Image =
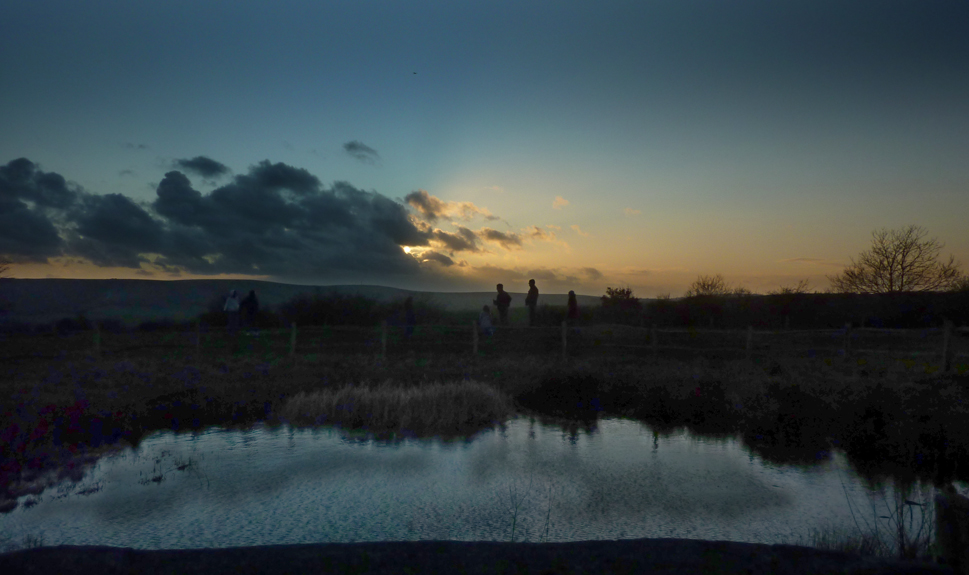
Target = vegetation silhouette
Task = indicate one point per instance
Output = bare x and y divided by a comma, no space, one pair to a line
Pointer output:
901,260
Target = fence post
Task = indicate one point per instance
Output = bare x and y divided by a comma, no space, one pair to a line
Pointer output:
654,340
565,331
292,340
846,346
383,339
947,347
97,339
750,341
198,338
474,337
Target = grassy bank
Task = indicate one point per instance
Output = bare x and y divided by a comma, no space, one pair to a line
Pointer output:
440,408
891,417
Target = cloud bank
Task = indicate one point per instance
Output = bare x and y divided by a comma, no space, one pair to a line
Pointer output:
274,220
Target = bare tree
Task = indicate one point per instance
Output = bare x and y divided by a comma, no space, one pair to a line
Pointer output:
4,265
713,285
799,288
962,284
899,261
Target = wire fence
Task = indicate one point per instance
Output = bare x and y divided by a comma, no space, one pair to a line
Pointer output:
944,346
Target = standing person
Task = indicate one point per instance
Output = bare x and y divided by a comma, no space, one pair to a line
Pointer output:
484,322
249,308
572,316
531,300
231,310
502,302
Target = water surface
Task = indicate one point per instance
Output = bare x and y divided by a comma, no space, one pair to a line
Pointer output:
219,488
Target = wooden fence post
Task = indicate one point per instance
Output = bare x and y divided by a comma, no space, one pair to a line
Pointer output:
97,339
846,345
292,340
654,340
565,331
947,347
474,337
750,341
383,339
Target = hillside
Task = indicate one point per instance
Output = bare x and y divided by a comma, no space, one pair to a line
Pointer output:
134,301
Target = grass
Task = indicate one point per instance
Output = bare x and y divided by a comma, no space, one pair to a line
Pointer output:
887,414
448,408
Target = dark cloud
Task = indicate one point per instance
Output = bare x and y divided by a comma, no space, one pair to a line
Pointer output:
592,273
428,206
29,198
280,220
543,275
432,208
126,173
274,220
115,220
440,258
205,167
464,240
361,151
26,233
280,176
507,240
22,179
132,146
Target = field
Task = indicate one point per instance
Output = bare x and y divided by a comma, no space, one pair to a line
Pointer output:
67,397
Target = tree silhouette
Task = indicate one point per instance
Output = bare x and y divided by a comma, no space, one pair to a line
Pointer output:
902,260
620,297
4,265
709,285
799,288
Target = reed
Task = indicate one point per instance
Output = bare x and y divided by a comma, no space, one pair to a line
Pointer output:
432,409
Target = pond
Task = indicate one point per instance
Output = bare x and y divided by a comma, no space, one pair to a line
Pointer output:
280,485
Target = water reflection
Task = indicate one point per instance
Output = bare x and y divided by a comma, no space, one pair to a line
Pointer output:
605,479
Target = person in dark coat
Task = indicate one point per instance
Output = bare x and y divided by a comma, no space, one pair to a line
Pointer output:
502,302
531,300
249,308
572,315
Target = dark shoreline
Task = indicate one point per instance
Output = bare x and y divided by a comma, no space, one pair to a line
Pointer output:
642,556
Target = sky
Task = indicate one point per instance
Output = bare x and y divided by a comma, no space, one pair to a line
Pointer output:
449,146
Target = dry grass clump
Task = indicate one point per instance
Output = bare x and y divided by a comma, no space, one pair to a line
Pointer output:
866,544
433,409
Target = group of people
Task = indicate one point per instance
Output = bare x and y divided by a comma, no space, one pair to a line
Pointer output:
503,302
244,310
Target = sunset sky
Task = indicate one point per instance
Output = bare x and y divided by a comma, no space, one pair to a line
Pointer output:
448,146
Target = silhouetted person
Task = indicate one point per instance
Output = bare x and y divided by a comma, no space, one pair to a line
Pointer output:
249,308
231,309
531,300
485,327
410,320
502,302
572,315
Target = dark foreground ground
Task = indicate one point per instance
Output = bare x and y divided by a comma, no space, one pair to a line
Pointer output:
640,556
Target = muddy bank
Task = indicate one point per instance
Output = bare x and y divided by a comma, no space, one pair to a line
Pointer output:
641,556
